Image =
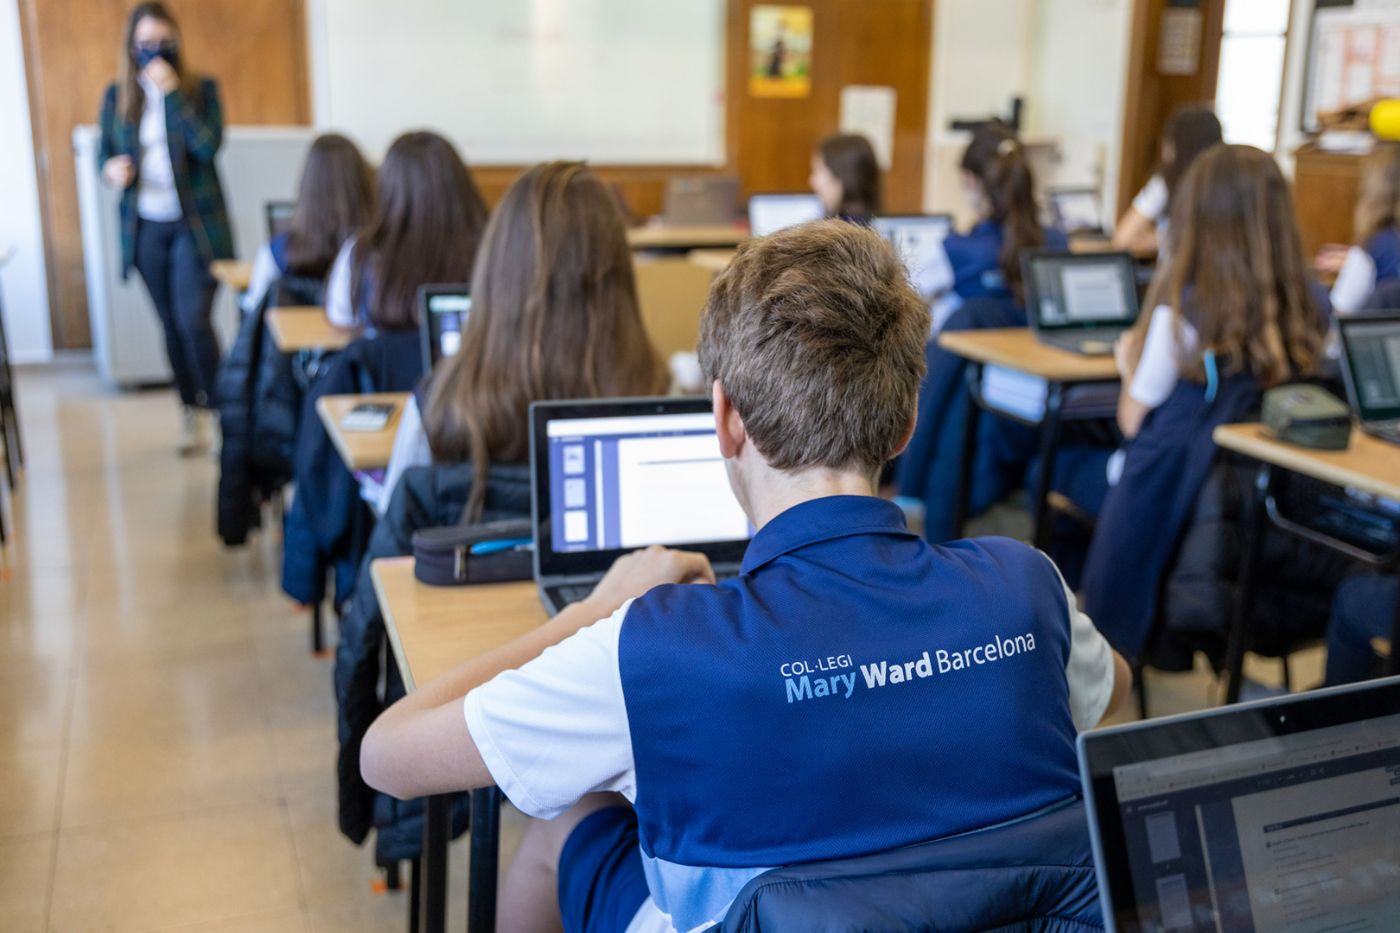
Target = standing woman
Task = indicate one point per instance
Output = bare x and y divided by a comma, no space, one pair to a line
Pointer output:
161,128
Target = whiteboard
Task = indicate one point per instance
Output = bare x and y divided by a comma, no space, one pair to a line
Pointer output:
523,81
1355,56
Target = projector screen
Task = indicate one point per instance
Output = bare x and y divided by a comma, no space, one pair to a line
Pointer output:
522,81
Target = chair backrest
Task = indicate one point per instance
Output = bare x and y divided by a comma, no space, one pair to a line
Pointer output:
1035,874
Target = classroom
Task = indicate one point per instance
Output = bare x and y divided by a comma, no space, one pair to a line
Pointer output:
616,466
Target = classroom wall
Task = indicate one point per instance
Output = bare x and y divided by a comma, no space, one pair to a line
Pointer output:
26,293
1067,58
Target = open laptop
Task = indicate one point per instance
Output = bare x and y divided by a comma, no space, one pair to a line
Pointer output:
918,238
1076,211
1080,302
279,217
769,213
442,316
1278,815
701,200
610,476
1371,364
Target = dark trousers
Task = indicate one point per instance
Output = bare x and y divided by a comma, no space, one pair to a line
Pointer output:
1364,609
182,290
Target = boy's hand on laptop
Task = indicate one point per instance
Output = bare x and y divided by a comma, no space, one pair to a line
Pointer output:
634,574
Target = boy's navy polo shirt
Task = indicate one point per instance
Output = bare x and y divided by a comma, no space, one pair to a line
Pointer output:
853,690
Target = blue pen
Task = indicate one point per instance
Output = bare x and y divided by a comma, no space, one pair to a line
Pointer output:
482,548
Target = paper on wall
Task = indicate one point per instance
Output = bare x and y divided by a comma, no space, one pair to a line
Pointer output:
869,111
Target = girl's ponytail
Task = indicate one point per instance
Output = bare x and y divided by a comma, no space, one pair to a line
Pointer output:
998,160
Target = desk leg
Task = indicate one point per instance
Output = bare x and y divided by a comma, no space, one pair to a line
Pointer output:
437,827
1049,445
485,855
968,454
1247,584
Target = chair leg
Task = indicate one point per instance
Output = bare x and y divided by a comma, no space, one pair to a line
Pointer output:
317,640
1140,689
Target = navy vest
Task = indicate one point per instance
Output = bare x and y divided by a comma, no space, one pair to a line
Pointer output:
976,259
854,690
277,246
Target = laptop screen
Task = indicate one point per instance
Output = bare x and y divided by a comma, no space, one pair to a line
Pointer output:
1076,209
1373,367
1282,817
443,313
279,217
1081,290
918,238
769,213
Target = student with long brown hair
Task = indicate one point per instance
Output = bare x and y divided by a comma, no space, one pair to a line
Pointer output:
1232,287
425,231
1234,313
554,315
846,176
162,126
335,198
1190,131
1374,259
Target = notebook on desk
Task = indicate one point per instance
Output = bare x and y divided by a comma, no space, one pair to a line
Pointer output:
611,476
1280,815
1081,302
1371,364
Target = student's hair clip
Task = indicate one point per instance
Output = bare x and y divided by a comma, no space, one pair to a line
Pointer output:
1007,146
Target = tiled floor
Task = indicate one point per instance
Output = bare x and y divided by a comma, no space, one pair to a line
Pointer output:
166,740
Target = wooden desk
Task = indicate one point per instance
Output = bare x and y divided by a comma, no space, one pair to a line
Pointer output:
361,450
306,328
1016,348
685,238
431,629
1089,245
235,273
1368,465
715,260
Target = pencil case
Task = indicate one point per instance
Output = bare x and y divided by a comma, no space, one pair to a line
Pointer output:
494,552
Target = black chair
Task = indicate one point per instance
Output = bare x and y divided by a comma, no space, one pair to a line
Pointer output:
1031,875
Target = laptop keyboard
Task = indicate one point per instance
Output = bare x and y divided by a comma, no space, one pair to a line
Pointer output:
572,593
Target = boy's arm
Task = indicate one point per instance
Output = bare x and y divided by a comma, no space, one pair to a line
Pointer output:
421,744
1099,678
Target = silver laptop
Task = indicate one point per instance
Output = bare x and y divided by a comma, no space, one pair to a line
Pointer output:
1080,302
442,316
769,213
611,476
1076,211
918,238
1371,364
701,200
1281,815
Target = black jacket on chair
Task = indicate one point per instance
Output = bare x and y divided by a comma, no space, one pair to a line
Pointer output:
327,511
425,497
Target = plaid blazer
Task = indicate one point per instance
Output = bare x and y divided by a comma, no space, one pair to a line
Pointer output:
194,130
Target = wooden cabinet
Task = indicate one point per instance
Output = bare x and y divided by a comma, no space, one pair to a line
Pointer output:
1325,188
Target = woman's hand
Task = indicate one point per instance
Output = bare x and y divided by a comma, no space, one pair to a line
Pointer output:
119,171
159,73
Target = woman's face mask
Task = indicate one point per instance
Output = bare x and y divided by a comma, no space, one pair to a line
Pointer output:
147,52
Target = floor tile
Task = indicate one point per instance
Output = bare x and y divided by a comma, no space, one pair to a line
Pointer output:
26,866
141,874
30,779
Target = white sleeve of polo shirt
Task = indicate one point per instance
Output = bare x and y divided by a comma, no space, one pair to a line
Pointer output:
264,275
1356,280
339,309
410,449
1090,666
556,728
1151,201
1159,367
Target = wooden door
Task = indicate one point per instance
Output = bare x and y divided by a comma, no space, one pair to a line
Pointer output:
874,42
255,48
1152,97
